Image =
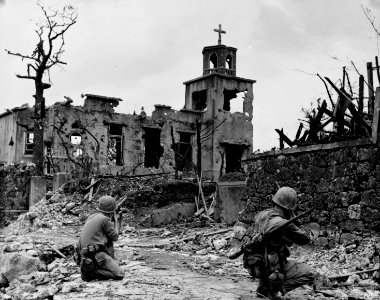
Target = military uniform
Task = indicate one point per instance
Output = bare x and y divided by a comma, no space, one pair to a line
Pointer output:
96,250
295,274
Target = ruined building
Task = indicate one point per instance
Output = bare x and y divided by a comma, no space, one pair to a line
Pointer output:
94,135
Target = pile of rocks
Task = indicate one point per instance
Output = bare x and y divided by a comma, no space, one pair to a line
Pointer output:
51,213
30,270
352,268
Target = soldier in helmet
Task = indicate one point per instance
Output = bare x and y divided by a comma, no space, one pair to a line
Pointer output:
268,260
95,246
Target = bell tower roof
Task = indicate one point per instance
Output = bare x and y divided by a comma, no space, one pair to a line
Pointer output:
219,58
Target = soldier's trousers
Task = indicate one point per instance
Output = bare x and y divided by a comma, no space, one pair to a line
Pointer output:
297,274
105,268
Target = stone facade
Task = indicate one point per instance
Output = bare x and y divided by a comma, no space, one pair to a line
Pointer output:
14,189
341,181
108,142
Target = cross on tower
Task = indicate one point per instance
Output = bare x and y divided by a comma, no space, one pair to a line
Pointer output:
219,31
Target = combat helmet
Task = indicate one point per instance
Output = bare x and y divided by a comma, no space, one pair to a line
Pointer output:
286,197
107,204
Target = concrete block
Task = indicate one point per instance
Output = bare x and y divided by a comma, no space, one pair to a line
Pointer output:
168,215
37,189
59,179
228,203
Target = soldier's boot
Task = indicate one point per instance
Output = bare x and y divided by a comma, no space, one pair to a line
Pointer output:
275,296
262,289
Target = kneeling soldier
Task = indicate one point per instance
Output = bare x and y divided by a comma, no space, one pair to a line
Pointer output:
95,246
267,259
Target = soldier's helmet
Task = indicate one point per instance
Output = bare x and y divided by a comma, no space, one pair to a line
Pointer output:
286,197
107,204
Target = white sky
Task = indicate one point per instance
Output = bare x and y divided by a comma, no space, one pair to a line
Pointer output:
143,50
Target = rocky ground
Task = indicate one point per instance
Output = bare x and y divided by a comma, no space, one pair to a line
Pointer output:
187,260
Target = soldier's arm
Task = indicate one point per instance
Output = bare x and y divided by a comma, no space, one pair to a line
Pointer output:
296,235
110,231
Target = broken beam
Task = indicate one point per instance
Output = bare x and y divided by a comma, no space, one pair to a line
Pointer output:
92,184
284,137
351,108
353,273
371,94
56,250
300,127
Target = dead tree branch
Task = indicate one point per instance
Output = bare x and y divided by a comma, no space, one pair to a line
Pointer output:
371,19
46,54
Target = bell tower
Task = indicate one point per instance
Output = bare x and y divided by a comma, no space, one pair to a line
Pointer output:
220,58
222,102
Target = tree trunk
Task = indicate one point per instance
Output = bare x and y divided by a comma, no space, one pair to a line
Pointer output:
38,151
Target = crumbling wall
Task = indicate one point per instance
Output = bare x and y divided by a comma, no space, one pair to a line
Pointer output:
341,181
14,188
13,125
236,129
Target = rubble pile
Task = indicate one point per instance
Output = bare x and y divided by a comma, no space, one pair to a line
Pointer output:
36,263
34,269
70,206
352,270
51,213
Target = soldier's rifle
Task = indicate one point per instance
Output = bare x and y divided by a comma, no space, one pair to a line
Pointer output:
248,245
119,210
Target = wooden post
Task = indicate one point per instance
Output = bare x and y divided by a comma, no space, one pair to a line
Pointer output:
284,138
339,116
199,149
361,94
299,131
199,178
344,77
371,94
91,189
376,117
377,69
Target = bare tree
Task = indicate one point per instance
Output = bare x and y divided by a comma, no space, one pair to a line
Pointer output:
46,55
367,12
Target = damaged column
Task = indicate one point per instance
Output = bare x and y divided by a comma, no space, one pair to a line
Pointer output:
59,179
37,189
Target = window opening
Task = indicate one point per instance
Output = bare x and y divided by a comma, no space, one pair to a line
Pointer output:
29,143
214,61
229,61
234,154
116,129
75,138
77,152
233,100
153,148
199,100
185,152
115,145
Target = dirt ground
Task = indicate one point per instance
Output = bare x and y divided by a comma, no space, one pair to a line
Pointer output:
152,273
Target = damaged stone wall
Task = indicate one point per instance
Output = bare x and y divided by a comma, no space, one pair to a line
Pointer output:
14,188
341,181
145,143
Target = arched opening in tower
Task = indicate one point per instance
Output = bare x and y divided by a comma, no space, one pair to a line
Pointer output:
229,61
214,61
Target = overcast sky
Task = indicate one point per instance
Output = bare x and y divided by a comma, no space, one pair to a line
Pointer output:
143,50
